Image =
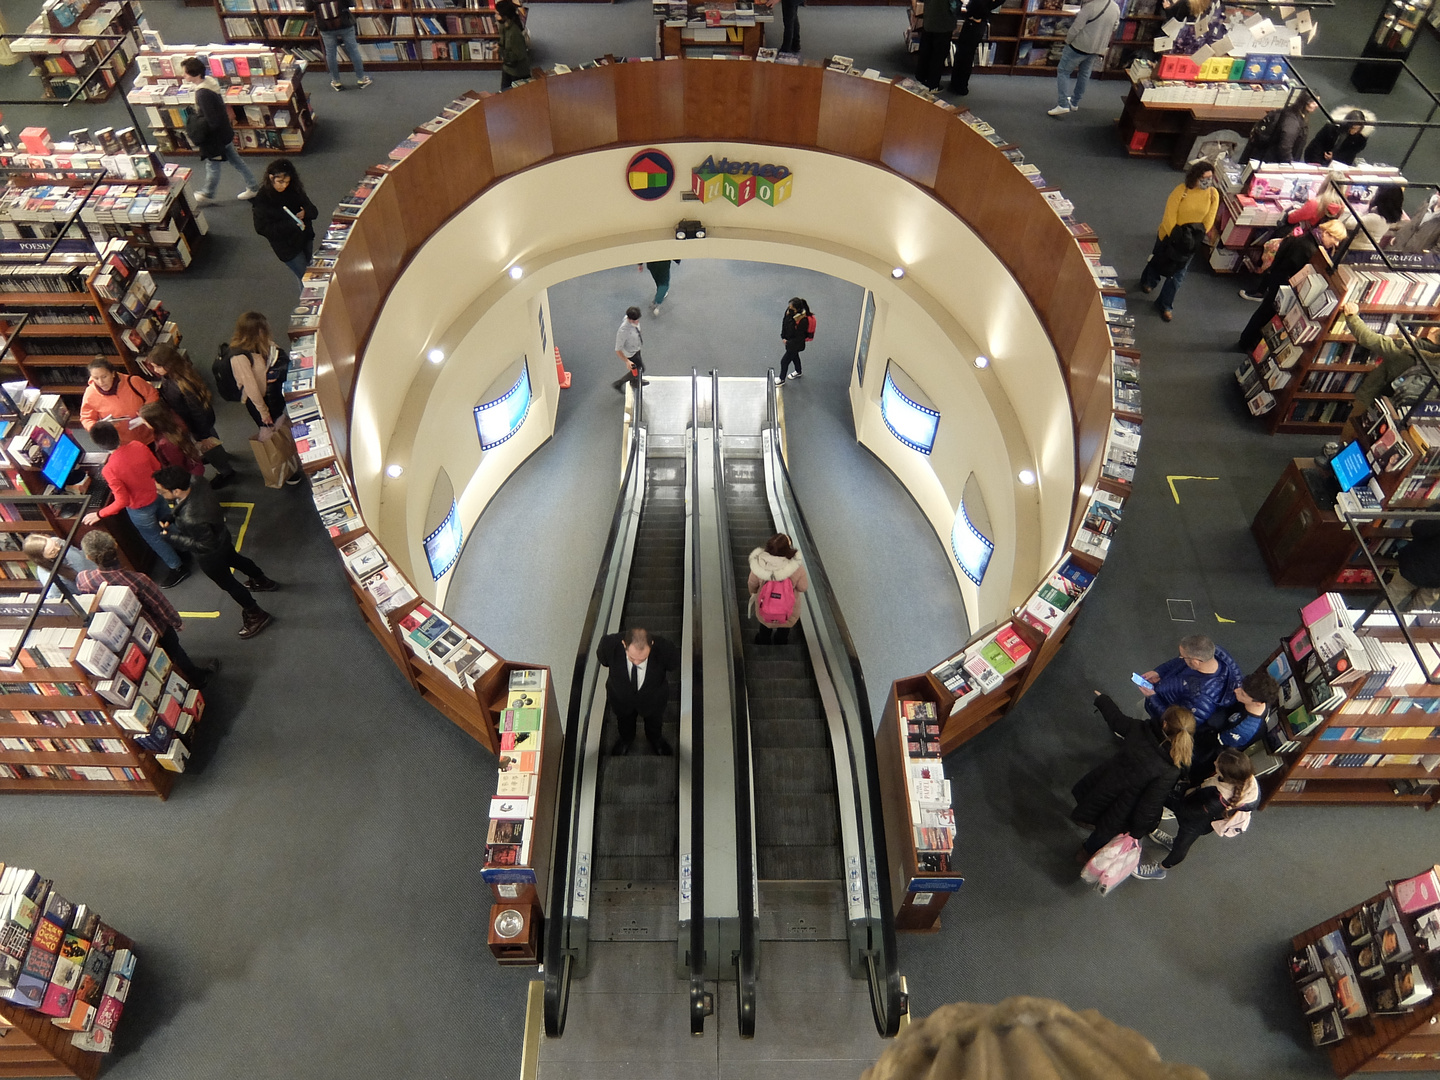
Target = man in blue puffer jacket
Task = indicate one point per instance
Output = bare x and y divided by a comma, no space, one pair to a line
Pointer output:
1202,678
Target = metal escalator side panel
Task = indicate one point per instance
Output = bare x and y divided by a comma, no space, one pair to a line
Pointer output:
694,821
566,942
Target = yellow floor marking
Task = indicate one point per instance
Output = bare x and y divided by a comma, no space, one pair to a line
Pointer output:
199,614
1221,618
249,509
1171,481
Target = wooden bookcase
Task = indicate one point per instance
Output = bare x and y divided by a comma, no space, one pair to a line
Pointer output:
63,59
262,87
33,1046
1297,783
729,40
94,331
1302,540
1393,1043
470,37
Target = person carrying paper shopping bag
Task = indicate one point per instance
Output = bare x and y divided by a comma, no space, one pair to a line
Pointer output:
285,216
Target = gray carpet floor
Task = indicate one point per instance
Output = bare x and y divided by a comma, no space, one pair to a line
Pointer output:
308,901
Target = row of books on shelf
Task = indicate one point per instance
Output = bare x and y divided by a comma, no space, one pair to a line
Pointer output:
1365,761
62,960
1387,288
982,666
1222,93
932,819
444,645
512,809
254,69
410,26
402,50
1122,451
136,204
1371,965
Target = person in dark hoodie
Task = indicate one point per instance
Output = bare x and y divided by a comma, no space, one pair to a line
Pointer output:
208,127
1343,141
514,49
285,216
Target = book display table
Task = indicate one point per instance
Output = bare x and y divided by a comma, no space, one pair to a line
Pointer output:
1168,130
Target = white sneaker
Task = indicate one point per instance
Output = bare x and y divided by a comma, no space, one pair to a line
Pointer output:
1167,814
248,193
778,380
655,310
205,200
793,375
1061,110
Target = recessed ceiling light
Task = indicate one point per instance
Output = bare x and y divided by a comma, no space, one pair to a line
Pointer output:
516,272
1027,477
898,273
982,361
393,471
435,355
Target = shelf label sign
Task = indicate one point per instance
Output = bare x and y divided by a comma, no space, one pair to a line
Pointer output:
650,175
740,181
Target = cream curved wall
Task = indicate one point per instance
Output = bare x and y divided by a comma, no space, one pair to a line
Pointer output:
845,218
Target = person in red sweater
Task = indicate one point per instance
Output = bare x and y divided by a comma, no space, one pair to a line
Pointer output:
112,396
128,471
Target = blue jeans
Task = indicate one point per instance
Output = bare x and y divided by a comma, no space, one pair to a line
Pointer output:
145,520
212,172
1077,63
1149,279
333,40
299,261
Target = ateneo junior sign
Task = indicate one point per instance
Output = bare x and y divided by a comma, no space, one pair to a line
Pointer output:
741,181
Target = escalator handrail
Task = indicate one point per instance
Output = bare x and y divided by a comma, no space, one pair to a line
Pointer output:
886,999
557,956
745,959
697,736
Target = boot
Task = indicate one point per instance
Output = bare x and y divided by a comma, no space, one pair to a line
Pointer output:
261,584
763,635
255,621
782,636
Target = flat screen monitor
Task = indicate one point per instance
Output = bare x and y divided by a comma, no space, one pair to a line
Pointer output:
497,420
62,460
909,421
442,547
1351,466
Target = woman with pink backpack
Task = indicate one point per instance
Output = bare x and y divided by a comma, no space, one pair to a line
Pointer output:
776,576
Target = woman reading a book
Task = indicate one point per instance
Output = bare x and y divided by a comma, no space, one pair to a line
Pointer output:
1195,202
285,216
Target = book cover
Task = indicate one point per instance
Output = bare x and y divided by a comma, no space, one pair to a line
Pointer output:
1419,892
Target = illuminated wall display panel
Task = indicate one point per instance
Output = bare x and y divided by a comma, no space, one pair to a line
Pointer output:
909,421
497,420
972,548
442,547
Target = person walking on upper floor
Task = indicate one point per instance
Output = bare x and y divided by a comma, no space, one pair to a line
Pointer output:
974,25
1202,678
627,347
1288,131
937,27
637,684
209,129
1293,254
182,388
117,397
99,548
1221,804
777,578
195,522
128,471
1085,46
1189,214
1127,793
796,327
660,274
285,216
336,24
514,49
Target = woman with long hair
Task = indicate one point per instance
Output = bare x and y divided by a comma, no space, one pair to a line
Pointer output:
182,388
285,216
777,577
1189,214
1214,806
253,356
173,443
794,330
1127,793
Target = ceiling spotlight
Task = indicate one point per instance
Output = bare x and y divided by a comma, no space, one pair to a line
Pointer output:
435,355
982,361
394,471
898,273
1027,477
515,273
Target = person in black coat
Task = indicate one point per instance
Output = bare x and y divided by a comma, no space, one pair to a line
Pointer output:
189,398
794,327
1292,256
209,129
973,26
285,216
1127,793
1292,129
637,684
937,27
1342,142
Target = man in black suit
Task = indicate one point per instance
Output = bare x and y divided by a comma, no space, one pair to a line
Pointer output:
637,683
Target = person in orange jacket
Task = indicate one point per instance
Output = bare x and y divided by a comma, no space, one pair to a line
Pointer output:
109,395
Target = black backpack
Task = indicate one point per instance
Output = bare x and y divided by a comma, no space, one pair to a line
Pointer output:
225,384
1262,135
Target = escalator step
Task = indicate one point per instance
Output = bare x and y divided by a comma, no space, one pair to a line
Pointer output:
636,831
635,867
804,819
638,778
788,734
794,769
767,669
819,862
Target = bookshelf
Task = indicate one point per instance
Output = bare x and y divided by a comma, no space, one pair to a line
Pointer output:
1153,126
394,35
1351,974
728,28
1356,723
63,59
262,88
64,979
80,304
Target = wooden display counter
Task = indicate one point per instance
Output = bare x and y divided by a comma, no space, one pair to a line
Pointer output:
1303,542
1168,130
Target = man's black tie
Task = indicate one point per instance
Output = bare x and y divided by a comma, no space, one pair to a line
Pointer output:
635,678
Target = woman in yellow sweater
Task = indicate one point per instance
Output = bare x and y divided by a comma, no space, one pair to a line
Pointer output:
1195,202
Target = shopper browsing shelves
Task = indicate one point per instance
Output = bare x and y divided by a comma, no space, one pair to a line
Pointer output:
128,470
99,547
260,367
173,444
514,49
1189,214
637,684
1202,678
1416,581
937,27
1222,804
777,577
1235,726
627,347
109,395
974,25
1280,135
1402,375
285,216
1294,253
1127,793
182,388
1382,220
1085,46
43,551
336,25
797,326
209,129
1342,142
195,522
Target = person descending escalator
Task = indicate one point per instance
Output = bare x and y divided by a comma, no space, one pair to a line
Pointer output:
777,577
